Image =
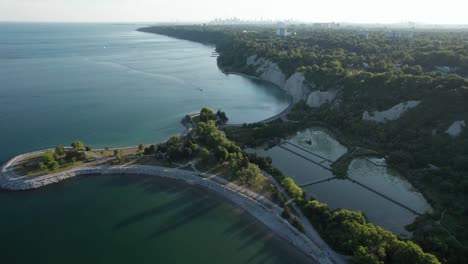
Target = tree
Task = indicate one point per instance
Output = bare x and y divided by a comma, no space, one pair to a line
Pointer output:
77,145
221,154
204,154
410,253
362,256
42,166
141,148
88,148
207,114
59,150
250,174
48,157
292,188
222,116
53,166
150,150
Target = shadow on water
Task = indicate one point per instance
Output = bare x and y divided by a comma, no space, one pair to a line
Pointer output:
194,202
186,215
151,184
252,232
172,205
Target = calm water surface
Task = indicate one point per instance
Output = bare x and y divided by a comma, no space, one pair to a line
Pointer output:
109,85
344,193
132,219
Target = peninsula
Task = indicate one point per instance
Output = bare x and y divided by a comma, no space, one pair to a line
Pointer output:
224,170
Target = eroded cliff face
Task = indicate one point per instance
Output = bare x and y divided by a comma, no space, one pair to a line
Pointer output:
267,70
318,98
456,128
391,114
295,86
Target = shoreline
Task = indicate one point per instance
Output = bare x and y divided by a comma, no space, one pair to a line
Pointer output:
259,207
251,77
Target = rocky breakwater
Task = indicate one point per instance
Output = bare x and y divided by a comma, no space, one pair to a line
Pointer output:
258,206
294,85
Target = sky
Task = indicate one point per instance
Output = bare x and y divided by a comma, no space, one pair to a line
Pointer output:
356,11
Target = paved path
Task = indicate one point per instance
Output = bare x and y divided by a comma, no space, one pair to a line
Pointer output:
257,205
309,229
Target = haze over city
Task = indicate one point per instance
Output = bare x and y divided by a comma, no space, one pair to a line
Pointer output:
359,11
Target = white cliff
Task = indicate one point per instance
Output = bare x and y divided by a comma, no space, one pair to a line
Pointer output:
318,98
391,114
268,70
295,86
456,128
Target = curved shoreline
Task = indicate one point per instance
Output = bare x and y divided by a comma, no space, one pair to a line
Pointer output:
251,77
256,205
261,208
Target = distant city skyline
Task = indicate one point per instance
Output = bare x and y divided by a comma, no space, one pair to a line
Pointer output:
358,11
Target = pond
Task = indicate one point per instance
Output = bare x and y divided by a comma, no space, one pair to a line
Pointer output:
306,158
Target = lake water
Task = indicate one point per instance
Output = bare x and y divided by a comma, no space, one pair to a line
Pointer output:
337,193
132,219
109,85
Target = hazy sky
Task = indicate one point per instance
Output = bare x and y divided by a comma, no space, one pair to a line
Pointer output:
384,11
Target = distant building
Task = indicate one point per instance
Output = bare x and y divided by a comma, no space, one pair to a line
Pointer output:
282,30
407,34
331,25
399,34
393,34
362,33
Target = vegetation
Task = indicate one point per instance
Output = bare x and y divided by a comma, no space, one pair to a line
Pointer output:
51,161
77,145
349,232
373,74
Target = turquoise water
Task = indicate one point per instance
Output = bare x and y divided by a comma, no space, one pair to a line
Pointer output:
109,85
